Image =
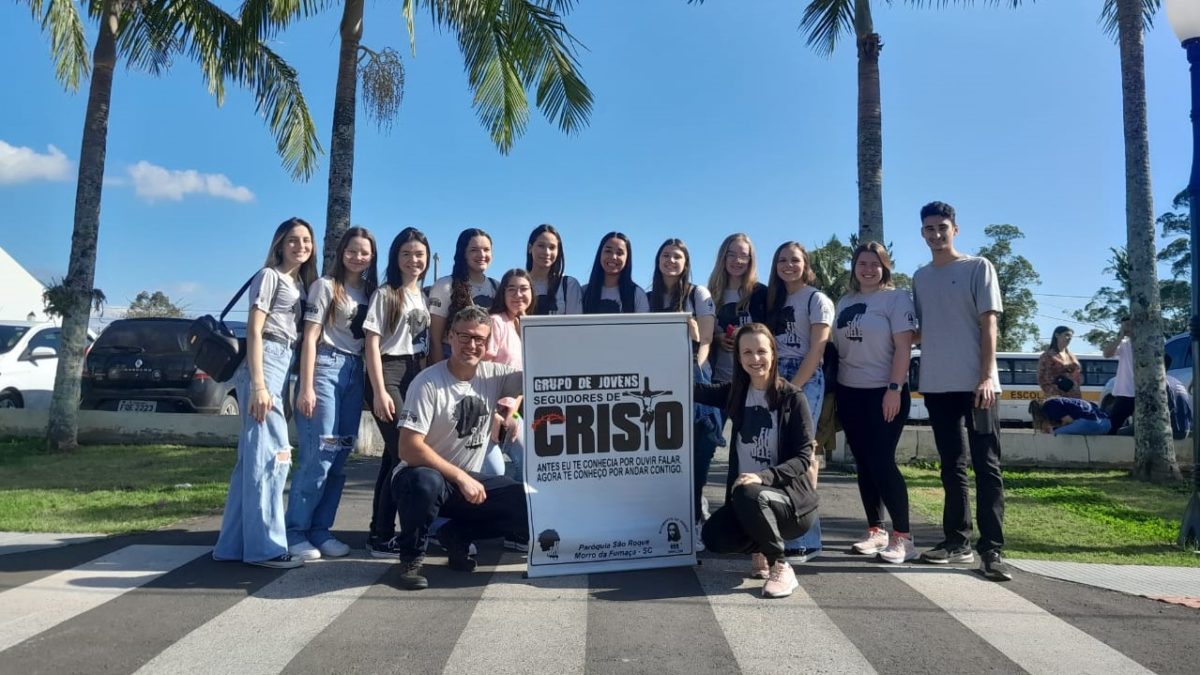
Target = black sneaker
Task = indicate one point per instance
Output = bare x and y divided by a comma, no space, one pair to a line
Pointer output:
410,575
457,549
993,567
383,548
941,555
286,561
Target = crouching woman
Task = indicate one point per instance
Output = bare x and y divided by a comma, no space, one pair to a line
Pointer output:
769,497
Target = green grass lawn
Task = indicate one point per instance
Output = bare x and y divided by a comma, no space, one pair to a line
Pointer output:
1081,516
109,488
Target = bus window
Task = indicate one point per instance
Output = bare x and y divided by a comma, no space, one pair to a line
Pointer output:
1097,373
1024,371
1004,370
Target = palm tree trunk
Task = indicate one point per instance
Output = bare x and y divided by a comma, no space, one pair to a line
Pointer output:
870,139
62,431
341,145
1154,453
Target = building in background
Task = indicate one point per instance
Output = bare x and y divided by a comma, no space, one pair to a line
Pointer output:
20,292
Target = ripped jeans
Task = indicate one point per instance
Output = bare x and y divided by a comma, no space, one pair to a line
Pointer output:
252,527
326,440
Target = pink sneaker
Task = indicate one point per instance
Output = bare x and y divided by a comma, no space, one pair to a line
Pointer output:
876,541
759,569
900,549
781,582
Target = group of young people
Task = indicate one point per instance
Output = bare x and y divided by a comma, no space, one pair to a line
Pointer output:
442,376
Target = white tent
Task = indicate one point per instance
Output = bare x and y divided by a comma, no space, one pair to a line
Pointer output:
20,292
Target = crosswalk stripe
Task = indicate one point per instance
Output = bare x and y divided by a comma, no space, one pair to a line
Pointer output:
40,605
743,614
262,633
1031,637
519,616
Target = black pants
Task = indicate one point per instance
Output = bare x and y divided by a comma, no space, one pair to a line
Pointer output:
1122,409
756,519
954,433
873,443
398,373
422,494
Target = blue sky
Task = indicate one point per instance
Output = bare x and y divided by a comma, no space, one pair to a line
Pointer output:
708,120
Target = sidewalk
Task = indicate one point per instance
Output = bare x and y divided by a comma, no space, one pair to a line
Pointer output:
19,542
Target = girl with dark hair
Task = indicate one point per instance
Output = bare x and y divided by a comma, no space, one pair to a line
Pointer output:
739,299
610,289
769,494
875,327
330,400
801,317
545,260
515,300
468,284
1059,372
672,290
252,527
397,338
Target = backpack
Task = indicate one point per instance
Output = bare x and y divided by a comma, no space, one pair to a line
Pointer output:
215,348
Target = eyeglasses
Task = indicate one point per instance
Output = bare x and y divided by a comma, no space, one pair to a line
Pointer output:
467,338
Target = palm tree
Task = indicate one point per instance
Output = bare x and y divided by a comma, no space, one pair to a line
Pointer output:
827,21
147,34
508,46
1154,452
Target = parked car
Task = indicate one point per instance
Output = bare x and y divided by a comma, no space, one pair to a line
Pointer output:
145,365
29,363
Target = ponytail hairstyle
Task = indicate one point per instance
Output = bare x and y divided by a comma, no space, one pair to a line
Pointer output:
777,289
554,278
395,277
718,281
460,275
741,379
370,276
625,285
500,301
677,302
308,269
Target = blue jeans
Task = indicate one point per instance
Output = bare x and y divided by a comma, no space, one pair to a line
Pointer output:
326,440
252,527
707,428
1084,428
814,393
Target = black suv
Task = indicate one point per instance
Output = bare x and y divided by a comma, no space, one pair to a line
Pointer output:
145,365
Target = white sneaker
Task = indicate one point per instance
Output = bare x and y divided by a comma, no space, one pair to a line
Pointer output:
781,581
876,541
304,551
900,549
697,540
332,548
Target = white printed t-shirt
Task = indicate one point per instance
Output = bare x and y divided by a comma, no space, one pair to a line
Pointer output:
442,291
410,336
455,414
345,332
863,334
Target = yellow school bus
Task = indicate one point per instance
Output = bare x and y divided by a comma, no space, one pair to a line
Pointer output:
1018,382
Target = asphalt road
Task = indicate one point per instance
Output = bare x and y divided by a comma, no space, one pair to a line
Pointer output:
157,603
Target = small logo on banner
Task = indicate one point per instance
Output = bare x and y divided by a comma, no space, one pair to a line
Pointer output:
548,542
674,529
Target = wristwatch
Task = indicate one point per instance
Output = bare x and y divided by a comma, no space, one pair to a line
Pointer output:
892,386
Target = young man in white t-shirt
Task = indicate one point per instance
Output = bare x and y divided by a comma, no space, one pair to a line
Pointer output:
1122,391
444,432
957,298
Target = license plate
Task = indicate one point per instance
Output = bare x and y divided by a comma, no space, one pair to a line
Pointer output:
137,406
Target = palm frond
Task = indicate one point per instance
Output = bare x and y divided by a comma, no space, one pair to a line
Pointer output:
60,19
409,11
546,57
825,21
224,49
265,18
500,101
1108,16
148,40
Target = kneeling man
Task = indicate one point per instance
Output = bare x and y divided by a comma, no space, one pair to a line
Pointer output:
444,433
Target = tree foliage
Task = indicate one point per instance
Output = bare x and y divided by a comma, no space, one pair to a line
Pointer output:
146,304
831,264
1175,224
1015,325
59,300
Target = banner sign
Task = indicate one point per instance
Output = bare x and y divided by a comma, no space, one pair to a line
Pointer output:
608,442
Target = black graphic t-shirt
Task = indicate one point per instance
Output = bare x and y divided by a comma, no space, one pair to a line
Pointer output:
727,316
454,414
758,439
345,332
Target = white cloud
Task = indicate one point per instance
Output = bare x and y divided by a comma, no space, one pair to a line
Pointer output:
22,165
153,183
